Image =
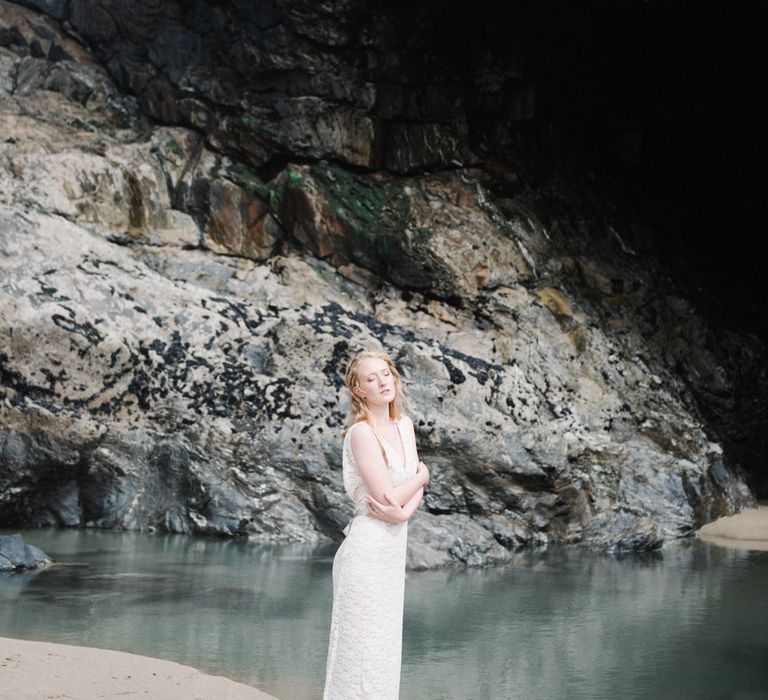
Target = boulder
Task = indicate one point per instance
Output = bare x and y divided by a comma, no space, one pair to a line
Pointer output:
17,555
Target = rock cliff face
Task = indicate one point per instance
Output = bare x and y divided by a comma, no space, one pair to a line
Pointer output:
206,209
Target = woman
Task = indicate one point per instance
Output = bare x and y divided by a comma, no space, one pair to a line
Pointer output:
385,479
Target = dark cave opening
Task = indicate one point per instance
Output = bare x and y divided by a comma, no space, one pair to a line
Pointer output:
661,100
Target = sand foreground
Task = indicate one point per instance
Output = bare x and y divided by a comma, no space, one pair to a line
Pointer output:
745,530
42,670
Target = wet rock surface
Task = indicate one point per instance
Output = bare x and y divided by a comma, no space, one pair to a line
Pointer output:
17,555
186,274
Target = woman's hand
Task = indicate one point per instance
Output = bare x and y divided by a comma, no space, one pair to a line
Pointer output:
389,512
422,468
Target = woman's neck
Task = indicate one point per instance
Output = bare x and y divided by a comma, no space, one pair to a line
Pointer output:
380,414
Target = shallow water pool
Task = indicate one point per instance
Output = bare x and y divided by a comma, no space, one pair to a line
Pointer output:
689,621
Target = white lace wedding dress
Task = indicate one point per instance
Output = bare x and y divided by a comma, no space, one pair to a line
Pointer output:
365,644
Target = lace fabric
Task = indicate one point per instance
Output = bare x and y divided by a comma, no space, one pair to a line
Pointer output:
365,641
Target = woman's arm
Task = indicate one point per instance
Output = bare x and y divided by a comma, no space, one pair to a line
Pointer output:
373,469
393,512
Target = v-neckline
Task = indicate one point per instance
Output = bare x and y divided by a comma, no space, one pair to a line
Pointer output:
402,442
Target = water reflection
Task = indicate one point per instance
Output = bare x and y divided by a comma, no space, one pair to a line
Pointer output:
573,624
688,621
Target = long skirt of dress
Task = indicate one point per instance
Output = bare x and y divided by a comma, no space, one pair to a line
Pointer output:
365,644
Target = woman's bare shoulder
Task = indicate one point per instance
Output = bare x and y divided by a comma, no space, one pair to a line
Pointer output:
358,423
360,434
364,441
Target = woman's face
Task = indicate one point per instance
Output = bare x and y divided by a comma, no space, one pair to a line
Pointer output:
375,382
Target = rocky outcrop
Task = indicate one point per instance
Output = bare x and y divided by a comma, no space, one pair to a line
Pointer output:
185,275
17,555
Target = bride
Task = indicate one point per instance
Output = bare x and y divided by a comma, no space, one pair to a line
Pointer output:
384,478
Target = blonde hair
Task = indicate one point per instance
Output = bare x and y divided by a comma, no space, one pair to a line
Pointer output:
358,406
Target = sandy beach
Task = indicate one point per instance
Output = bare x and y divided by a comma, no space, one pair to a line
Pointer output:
745,530
41,670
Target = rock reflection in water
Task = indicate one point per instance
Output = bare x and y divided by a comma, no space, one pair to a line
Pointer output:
573,624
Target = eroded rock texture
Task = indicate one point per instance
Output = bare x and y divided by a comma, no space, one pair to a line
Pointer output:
207,208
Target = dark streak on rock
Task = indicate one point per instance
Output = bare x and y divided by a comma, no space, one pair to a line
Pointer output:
85,329
333,368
